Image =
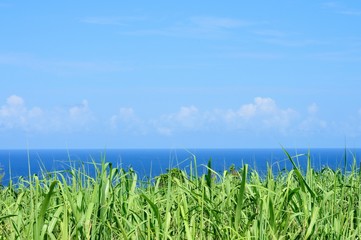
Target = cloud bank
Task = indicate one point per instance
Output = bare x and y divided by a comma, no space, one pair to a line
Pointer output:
261,116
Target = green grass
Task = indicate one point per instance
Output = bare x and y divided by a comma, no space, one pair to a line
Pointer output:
234,204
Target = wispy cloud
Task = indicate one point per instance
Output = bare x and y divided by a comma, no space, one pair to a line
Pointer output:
196,26
351,12
120,21
219,22
342,9
329,4
270,33
253,55
285,38
288,42
342,55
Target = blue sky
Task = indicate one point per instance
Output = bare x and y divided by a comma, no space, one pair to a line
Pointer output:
162,74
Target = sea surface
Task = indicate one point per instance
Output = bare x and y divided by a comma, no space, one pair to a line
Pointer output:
149,163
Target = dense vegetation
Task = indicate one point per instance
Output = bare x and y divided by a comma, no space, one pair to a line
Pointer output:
234,204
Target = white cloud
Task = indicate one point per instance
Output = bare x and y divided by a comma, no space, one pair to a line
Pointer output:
164,131
79,116
312,123
187,118
127,120
14,101
246,111
15,115
125,115
312,109
78,111
262,114
260,106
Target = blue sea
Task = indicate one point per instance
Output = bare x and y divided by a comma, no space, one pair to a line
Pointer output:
149,163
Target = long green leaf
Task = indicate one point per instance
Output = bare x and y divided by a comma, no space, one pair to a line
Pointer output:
44,207
240,196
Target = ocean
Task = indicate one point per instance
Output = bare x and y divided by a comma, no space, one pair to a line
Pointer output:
149,163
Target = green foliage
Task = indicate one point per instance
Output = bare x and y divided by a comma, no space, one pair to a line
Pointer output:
234,204
171,175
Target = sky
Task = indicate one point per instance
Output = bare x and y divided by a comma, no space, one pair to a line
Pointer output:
180,74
